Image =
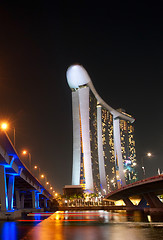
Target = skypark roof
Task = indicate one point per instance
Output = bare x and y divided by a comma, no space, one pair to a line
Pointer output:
77,76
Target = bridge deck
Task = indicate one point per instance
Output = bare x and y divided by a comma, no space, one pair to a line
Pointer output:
152,184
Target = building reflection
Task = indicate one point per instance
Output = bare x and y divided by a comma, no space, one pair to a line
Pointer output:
83,225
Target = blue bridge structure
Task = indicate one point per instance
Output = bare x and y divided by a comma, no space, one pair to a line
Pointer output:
19,188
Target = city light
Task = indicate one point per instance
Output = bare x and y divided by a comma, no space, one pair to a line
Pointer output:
42,176
35,167
47,183
149,154
24,152
4,126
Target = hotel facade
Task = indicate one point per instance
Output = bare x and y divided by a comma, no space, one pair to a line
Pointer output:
104,156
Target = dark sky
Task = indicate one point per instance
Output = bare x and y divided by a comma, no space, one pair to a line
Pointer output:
120,45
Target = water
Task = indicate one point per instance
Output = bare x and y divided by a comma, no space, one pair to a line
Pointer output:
86,225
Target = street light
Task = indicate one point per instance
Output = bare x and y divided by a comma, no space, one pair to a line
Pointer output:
4,127
25,152
36,168
45,183
149,154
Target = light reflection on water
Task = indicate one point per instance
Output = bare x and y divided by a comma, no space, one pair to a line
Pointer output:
86,225
9,231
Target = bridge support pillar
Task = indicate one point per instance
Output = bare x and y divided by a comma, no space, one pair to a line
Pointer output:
17,199
45,202
153,200
143,203
22,201
35,199
128,202
11,181
3,189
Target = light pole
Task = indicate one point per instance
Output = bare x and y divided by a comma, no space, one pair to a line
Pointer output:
38,172
14,136
25,152
45,182
142,161
42,176
4,126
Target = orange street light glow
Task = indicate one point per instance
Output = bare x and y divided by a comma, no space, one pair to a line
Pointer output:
24,152
47,183
42,176
35,167
4,126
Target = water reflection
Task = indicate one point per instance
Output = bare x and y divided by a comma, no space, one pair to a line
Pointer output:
98,225
9,231
86,225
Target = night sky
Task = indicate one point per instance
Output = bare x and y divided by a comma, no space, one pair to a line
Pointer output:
121,47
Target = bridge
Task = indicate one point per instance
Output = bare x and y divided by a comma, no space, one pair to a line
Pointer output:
19,188
148,191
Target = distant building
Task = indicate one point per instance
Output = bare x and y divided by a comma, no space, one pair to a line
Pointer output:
70,190
104,155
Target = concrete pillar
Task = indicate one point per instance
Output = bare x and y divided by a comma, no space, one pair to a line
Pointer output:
118,152
128,202
153,200
33,199
45,202
142,203
37,200
3,189
11,180
17,199
100,152
22,201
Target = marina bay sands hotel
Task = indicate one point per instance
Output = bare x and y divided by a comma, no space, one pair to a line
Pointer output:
104,156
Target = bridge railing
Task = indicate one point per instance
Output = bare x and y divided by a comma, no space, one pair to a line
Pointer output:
154,178
9,149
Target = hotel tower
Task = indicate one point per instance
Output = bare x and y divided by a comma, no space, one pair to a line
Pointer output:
104,156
